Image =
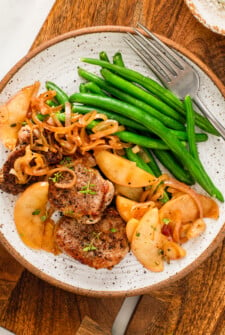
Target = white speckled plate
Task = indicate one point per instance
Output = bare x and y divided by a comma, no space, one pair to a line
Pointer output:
209,13
57,61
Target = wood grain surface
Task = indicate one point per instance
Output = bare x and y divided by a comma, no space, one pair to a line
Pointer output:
194,305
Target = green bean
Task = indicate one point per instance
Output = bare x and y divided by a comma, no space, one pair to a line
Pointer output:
92,77
140,94
168,121
138,160
118,59
167,159
42,117
103,56
92,124
151,84
93,88
61,96
182,135
191,127
61,117
145,153
114,116
51,103
82,88
161,92
141,140
157,127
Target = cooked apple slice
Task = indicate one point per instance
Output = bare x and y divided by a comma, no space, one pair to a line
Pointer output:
188,208
131,227
196,228
133,193
13,113
124,207
172,250
147,241
122,171
29,211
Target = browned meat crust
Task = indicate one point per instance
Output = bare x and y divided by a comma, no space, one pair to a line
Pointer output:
87,199
8,181
51,157
101,245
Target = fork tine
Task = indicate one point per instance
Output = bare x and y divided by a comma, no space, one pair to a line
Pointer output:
177,60
163,73
168,63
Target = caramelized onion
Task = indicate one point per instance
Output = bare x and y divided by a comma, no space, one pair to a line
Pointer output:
23,170
67,114
87,118
64,169
105,128
59,130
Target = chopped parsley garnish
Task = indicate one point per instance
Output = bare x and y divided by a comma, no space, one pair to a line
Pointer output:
87,189
43,218
89,247
56,177
138,234
13,125
24,123
96,235
113,230
36,212
166,221
87,170
70,212
157,187
65,161
164,198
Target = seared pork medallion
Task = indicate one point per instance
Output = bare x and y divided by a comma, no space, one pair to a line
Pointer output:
87,199
8,181
14,183
101,245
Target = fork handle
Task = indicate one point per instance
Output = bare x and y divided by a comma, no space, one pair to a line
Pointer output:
124,315
215,122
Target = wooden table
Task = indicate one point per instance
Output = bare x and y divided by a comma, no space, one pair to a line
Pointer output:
194,305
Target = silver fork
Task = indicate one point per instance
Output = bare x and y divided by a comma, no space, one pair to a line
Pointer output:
172,70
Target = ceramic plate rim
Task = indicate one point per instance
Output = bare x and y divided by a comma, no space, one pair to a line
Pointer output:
61,284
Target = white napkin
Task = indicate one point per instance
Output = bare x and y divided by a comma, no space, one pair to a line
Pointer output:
20,23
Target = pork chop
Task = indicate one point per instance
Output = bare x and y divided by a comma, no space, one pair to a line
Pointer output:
87,199
101,245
